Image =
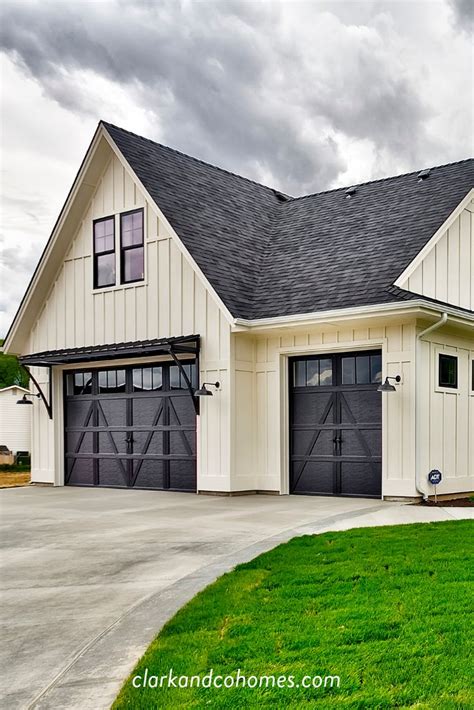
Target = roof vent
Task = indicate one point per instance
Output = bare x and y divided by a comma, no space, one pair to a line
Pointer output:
281,197
351,191
423,175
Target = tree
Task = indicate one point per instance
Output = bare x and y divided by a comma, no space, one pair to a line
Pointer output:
11,372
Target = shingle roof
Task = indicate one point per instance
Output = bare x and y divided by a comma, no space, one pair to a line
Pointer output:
269,255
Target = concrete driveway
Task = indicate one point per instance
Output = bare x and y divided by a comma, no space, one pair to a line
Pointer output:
90,576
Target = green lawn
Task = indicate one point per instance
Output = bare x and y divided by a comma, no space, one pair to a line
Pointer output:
388,610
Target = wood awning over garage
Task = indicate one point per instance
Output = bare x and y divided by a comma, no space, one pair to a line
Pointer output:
181,345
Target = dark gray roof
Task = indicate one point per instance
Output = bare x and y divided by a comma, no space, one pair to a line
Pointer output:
270,255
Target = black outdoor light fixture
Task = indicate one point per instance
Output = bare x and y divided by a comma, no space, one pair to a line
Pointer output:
40,394
387,387
25,400
204,392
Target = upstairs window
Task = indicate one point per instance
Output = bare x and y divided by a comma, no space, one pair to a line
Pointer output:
132,262
104,252
448,371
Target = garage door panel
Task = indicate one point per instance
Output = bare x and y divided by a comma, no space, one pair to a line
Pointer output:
150,474
335,424
80,472
361,406
360,479
79,412
307,442
147,411
361,442
315,478
112,412
111,442
183,475
180,412
148,442
144,432
312,406
113,472
80,442
182,443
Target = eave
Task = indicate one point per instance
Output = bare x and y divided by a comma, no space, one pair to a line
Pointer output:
415,308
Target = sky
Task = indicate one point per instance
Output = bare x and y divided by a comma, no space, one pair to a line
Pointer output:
302,96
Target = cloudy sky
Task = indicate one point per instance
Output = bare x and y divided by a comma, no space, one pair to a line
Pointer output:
302,96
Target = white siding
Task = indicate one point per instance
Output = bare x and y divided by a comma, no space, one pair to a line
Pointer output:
447,430
15,420
260,411
171,301
447,271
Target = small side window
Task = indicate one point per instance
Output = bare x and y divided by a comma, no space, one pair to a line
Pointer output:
132,253
448,371
104,252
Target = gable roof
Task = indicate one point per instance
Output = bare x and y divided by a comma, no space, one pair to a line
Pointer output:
267,254
13,387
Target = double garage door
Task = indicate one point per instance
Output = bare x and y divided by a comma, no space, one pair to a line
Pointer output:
131,427
336,425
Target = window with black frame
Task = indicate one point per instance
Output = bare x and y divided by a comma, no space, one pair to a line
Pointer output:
104,252
132,253
448,371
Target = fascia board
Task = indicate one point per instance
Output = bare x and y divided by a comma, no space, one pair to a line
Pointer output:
327,317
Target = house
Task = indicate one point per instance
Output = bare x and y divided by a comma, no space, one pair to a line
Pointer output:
15,422
163,273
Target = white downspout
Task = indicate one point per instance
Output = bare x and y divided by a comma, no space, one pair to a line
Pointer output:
418,413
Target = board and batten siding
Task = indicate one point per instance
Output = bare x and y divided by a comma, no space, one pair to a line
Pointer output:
260,416
446,437
15,421
447,271
172,300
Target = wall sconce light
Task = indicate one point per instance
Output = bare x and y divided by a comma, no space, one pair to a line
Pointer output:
387,387
25,400
204,392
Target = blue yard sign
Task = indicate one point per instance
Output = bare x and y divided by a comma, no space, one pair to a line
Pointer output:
434,477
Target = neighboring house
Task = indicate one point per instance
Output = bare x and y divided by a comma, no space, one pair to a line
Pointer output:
163,269
15,422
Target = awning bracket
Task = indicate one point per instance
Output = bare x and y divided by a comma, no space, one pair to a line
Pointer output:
47,404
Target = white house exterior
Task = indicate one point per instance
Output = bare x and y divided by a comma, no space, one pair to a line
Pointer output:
15,422
299,308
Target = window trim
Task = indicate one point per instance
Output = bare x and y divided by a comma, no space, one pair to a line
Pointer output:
103,253
123,249
453,389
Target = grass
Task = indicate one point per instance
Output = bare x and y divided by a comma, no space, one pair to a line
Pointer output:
14,468
10,479
387,609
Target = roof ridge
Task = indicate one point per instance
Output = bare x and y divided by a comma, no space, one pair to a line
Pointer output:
196,160
384,179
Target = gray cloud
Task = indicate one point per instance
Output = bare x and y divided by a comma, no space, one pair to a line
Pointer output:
463,14
228,83
300,95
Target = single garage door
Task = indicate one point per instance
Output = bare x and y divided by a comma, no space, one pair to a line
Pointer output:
131,427
336,425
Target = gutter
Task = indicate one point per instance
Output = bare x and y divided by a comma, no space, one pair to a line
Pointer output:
316,317
418,415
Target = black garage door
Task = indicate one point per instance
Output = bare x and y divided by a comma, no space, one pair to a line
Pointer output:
132,427
336,425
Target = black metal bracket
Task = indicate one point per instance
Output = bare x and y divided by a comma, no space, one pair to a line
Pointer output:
188,382
48,405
